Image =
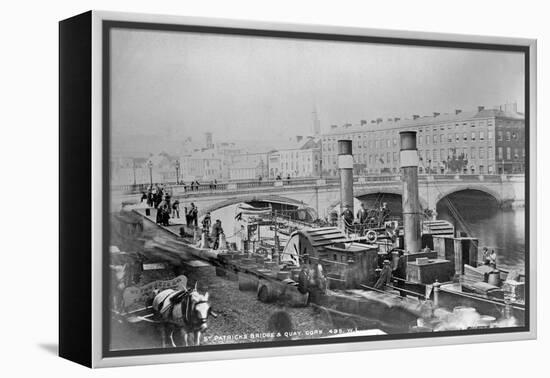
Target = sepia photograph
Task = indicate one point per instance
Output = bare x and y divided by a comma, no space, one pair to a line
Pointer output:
294,188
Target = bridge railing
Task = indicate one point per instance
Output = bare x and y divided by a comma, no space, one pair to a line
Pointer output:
309,181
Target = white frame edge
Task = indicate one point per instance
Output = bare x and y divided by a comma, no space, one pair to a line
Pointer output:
97,334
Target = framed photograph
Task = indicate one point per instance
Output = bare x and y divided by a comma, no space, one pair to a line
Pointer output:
234,189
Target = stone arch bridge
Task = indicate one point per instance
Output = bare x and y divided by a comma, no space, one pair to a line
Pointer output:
324,194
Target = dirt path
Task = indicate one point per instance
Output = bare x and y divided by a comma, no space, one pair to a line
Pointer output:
242,318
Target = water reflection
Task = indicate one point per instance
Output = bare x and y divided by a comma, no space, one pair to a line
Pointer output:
479,216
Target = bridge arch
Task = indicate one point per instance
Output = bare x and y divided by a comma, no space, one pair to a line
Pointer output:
251,198
473,187
370,191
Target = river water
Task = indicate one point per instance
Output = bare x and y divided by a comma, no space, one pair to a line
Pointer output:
500,229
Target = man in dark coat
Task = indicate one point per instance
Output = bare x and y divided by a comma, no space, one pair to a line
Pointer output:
362,214
217,230
193,215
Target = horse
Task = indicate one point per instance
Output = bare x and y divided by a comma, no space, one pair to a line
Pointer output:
185,309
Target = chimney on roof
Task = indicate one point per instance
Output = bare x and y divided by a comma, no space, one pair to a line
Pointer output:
333,127
458,111
299,138
363,122
347,125
396,119
373,121
379,120
436,114
390,119
416,116
480,108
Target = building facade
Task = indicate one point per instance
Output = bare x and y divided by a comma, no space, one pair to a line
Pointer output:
302,159
250,162
201,165
485,141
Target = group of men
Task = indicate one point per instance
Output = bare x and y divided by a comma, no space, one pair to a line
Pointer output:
159,198
153,196
216,231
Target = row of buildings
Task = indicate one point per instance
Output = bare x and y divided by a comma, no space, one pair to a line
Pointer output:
484,141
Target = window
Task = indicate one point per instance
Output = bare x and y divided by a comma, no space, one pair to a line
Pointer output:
489,135
516,154
490,152
481,135
395,157
514,136
442,154
419,140
473,135
481,153
449,138
428,158
435,155
387,143
457,137
508,136
465,137
442,138
499,137
427,139
490,169
435,139
500,153
388,157
509,153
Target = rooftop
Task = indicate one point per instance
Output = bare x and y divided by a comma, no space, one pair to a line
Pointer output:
435,119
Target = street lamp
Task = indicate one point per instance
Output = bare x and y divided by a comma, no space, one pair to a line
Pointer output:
150,165
177,172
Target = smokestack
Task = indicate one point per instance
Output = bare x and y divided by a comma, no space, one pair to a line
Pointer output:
436,114
299,138
411,203
345,165
480,108
416,116
363,122
378,120
458,111
396,119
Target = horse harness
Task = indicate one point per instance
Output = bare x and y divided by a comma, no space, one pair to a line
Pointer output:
171,308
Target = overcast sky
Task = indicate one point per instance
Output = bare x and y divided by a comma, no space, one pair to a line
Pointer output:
250,87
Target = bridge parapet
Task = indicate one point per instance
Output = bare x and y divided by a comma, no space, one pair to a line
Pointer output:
313,181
